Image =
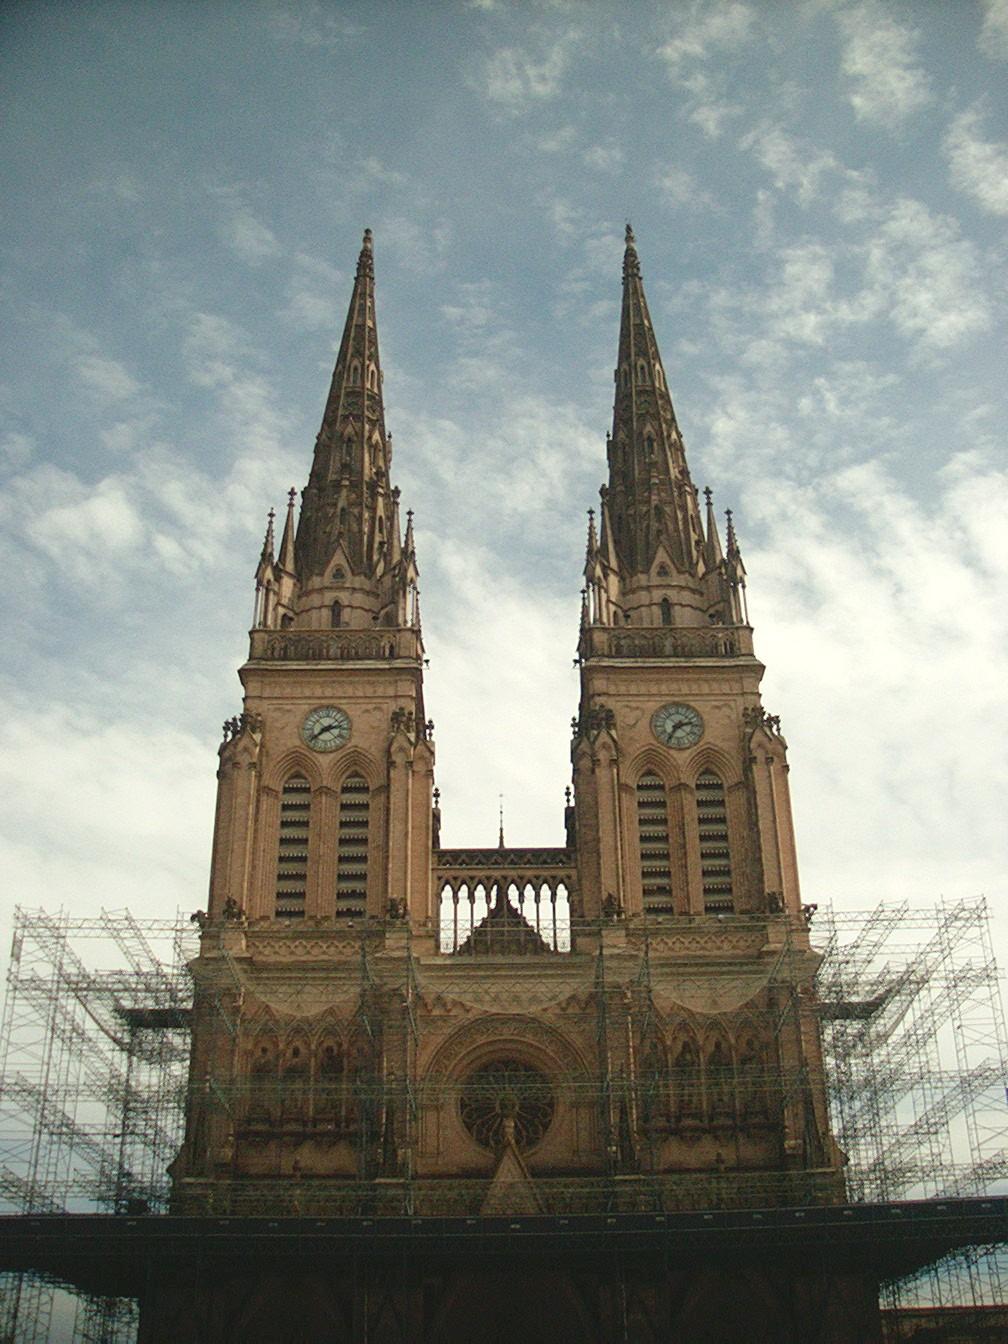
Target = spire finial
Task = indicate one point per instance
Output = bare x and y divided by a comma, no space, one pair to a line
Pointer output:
365,262
630,241
708,493
267,547
731,539
500,831
287,560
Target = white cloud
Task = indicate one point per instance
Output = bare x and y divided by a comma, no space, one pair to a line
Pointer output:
491,629
871,609
712,115
16,450
553,142
978,167
85,808
886,83
248,236
704,31
901,265
312,302
564,216
82,529
793,163
515,78
106,379
418,247
994,33
213,347
681,189
695,57
308,23
605,157
927,276
378,171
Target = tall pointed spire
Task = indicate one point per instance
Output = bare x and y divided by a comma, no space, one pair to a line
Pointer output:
345,563
347,500
653,562
651,497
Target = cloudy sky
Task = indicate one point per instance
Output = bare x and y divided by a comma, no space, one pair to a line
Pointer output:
819,192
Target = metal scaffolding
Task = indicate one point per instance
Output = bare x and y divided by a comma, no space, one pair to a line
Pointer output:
916,1058
94,1048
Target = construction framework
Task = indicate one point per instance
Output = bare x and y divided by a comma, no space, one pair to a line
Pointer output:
94,1048
917,1063
94,1051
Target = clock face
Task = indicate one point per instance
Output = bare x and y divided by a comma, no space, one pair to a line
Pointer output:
326,728
677,726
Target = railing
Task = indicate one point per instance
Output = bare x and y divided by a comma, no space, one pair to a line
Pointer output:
504,902
719,641
334,646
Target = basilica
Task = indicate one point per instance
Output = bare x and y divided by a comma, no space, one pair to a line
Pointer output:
466,1049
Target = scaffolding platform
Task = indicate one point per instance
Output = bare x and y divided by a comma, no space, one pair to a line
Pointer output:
94,1048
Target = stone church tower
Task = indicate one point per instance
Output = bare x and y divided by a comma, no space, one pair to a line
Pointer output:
623,1025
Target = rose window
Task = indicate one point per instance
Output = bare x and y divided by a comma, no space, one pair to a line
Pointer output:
506,1099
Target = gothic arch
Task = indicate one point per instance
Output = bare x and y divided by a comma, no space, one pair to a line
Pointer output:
353,761
297,761
709,757
262,1074
685,1076
526,1039
295,1075
651,760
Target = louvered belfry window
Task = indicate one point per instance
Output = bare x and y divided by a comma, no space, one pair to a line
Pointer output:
292,856
653,830
352,847
715,856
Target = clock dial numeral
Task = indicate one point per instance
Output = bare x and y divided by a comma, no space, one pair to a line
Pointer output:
326,728
677,726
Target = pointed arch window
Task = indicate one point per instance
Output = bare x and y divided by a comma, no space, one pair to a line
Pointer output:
355,372
720,1083
292,852
372,378
715,855
352,848
653,833
336,615
666,611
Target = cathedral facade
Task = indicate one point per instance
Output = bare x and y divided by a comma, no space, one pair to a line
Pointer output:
620,1027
